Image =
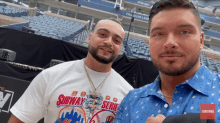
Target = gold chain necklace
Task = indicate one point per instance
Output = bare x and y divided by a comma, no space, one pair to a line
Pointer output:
91,83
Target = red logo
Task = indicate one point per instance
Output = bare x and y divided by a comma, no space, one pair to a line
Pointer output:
83,93
115,99
74,93
107,97
110,119
207,111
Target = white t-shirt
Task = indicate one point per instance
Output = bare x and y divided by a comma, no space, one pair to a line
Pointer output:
62,94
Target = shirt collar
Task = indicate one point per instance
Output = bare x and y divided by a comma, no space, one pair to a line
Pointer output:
201,82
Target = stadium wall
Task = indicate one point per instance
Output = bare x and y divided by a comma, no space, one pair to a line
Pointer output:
7,20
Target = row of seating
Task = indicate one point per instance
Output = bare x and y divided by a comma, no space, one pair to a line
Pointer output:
142,2
210,19
82,36
54,27
210,33
209,15
137,48
103,3
12,11
213,65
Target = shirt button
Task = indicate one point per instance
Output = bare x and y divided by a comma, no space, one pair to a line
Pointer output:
178,106
166,105
170,111
174,103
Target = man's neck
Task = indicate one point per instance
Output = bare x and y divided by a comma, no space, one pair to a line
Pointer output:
93,64
168,83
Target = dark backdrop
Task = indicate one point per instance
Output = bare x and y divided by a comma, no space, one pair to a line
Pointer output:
35,50
38,51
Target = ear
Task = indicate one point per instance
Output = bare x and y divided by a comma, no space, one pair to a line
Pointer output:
146,41
90,36
202,36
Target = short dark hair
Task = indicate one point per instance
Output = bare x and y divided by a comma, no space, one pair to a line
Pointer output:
173,4
112,19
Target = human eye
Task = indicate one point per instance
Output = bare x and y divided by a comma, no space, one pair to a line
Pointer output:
185,32
117,41
101,34
158,34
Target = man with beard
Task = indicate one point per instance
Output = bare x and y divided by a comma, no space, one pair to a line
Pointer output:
71,91
183,82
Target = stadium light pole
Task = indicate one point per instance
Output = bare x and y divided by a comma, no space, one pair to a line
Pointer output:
133,10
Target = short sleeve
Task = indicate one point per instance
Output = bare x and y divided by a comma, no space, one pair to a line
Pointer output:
30,107
123,111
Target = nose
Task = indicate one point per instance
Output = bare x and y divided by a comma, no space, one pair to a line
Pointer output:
171,42
108,41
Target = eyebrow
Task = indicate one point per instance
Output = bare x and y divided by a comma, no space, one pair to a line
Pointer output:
103,29
156,28
187,25
180,26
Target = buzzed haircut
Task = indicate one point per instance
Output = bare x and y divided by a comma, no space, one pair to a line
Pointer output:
112,19
173,4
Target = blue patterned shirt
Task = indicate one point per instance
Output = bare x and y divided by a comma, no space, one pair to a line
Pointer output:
139,104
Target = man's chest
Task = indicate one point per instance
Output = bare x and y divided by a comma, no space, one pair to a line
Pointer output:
152,106
84,103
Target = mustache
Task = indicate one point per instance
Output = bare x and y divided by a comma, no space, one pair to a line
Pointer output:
171,52
106,46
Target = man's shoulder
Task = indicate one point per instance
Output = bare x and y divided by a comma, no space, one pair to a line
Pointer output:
121,81
62,66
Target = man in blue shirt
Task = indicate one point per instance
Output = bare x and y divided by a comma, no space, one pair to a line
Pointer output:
183,83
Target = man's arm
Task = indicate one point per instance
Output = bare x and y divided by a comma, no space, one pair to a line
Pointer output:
14,119
30,107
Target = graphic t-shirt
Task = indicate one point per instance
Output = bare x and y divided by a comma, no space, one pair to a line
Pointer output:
63,94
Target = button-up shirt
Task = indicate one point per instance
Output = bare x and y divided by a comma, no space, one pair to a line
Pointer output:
139,104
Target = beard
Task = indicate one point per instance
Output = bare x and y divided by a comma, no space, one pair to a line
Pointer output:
102,59
178,71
